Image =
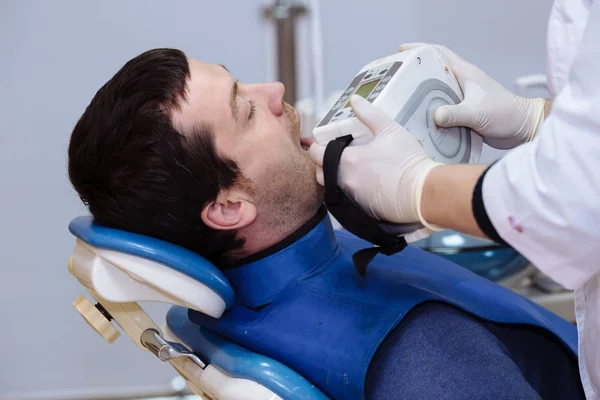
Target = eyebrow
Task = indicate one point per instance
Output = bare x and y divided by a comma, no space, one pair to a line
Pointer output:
233,104
235,111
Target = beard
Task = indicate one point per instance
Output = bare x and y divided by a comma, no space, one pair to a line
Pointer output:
292,195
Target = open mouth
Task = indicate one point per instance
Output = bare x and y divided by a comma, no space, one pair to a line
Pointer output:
306,142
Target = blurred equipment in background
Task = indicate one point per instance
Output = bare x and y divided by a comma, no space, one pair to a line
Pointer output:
284,17
284,14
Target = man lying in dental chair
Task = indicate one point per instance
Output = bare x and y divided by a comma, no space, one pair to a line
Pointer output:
177,149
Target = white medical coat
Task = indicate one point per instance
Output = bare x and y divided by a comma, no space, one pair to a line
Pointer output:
543,197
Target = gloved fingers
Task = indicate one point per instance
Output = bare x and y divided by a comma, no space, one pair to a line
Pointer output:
316,152
454,115
320,176
370,115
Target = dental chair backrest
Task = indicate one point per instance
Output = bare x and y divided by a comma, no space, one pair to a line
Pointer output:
120,268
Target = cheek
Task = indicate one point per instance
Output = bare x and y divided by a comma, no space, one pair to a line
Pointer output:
265,151
261,162
269,143
270,162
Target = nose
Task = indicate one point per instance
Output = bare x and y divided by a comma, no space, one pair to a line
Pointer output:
275,92
269,94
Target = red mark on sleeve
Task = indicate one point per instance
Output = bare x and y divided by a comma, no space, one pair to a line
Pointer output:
515,225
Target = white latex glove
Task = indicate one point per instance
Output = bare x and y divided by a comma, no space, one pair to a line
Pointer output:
504,119
385,176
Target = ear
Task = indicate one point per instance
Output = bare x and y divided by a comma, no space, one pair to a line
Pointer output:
231,210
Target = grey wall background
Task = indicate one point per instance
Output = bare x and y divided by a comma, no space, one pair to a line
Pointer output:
54,55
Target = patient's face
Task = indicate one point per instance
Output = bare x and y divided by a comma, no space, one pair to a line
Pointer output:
255,128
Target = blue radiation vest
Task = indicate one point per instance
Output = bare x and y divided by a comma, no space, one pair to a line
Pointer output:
307,307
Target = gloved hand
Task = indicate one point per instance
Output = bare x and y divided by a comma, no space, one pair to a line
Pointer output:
385,176
504,119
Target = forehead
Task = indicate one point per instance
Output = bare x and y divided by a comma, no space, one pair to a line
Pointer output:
207,96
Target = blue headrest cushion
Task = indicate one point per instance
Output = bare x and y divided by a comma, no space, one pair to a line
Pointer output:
176,257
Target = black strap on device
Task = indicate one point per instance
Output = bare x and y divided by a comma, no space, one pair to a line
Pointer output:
350,215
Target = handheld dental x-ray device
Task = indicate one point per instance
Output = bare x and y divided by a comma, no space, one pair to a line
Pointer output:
408,86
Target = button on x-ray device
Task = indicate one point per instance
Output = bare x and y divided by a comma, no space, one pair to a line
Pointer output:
408,86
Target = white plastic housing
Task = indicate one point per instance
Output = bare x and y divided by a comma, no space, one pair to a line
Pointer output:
408,86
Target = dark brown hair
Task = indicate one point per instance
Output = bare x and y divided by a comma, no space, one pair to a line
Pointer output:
136,171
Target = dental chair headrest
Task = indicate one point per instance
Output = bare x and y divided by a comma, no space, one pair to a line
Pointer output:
126,267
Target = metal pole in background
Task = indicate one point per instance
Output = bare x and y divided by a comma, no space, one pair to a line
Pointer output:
284,15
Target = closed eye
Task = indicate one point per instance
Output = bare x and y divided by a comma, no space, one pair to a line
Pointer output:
252,109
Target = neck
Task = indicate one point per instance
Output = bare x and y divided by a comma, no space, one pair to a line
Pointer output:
260,237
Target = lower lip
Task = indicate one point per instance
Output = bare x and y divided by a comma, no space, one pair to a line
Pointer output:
306,142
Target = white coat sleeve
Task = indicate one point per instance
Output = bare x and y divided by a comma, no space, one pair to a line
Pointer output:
543,198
